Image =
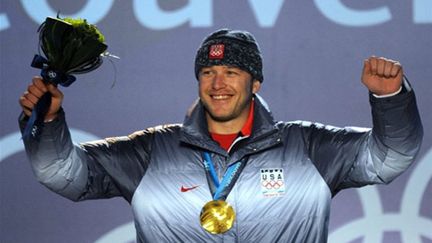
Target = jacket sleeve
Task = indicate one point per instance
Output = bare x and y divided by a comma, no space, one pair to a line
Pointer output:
99,169
354,157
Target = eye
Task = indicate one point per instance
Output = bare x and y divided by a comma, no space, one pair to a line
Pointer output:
206,72
232,73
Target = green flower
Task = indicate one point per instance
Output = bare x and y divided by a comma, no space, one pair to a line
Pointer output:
83,28
71,45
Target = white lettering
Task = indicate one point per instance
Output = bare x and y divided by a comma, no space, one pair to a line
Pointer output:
266,11
197,12
339,13
93,10
422,11
4,22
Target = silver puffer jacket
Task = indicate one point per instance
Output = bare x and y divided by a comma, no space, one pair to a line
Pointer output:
282,195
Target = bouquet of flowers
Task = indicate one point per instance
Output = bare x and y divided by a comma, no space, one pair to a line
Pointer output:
70,46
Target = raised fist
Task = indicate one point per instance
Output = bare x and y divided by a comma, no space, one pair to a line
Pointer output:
382,76
35,91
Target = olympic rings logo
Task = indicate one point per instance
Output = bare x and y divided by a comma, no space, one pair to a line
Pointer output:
411,225
409,222
272,184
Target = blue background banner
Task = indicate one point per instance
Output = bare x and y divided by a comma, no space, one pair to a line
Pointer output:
313,54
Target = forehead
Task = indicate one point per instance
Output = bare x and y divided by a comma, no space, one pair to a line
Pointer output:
224,69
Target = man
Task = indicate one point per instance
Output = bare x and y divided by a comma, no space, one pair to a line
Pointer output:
230,173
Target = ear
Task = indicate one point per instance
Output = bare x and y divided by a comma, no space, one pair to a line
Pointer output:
256,85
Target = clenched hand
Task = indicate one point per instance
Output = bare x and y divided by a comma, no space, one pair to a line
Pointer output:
35,91
382,76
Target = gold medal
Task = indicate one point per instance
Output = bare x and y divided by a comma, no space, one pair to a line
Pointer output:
217,217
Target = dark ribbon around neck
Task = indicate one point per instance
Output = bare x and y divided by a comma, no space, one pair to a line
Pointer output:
221,189
36,120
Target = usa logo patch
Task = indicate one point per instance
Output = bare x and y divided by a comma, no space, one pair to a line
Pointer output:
272,182
217,51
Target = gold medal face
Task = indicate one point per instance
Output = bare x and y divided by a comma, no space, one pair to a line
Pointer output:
217,217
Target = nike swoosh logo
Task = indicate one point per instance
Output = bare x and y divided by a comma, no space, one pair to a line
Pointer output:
185,189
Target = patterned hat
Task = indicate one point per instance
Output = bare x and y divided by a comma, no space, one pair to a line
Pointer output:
231,48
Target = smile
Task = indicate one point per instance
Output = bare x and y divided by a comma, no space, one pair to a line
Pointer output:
220,97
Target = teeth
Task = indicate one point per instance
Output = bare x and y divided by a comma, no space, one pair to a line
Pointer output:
220,97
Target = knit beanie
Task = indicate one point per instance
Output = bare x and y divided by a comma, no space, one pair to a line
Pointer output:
235,48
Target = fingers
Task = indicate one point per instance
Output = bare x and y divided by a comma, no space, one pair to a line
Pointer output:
396,69
26,105
374,65
367,67
30,97
37,88
381,75
35,91
39,84
384,67
55,92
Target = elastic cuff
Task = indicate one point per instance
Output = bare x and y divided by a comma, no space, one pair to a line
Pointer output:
388,95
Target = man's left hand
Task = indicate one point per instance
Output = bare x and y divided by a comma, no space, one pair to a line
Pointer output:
382,76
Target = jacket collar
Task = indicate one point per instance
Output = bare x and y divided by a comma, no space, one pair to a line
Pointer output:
195,130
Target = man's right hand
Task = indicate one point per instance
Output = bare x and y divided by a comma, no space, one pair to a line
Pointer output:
35,91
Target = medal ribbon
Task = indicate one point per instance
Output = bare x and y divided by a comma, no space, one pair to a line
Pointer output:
220,190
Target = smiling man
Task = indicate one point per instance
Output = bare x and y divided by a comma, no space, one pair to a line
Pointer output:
226,93
230,173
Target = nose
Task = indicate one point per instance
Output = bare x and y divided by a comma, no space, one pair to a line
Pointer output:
218,81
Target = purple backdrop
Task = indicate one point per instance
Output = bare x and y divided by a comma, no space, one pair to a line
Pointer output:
313,52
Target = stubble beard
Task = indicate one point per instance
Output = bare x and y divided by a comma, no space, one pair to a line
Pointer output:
235,113
232,115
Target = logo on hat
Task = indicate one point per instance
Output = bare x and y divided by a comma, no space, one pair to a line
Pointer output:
216,51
